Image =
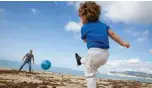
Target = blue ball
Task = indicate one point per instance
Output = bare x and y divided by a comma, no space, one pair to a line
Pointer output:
46,64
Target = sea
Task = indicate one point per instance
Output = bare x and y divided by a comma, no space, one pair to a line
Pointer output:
16,65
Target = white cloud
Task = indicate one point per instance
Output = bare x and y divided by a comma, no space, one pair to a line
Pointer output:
132,32
73,26
127,12
141,39
141,36
34,11
132,64
133,61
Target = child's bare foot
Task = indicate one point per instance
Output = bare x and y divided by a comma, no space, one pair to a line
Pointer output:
78,59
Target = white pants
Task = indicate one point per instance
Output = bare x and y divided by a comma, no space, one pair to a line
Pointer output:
96,58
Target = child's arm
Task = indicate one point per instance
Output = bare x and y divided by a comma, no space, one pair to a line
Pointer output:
117,39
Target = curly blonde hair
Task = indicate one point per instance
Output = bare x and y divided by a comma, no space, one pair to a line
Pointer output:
90,10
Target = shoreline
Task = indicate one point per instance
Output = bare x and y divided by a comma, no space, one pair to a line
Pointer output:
123,75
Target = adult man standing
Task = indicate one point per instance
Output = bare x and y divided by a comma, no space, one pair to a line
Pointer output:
28,57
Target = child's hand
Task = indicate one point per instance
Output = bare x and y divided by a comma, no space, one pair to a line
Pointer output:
126,44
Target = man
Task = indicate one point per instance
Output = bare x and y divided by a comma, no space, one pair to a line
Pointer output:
29,57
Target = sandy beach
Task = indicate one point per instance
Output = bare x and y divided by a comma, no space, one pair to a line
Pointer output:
10,78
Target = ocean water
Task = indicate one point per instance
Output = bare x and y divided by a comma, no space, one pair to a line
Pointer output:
16,65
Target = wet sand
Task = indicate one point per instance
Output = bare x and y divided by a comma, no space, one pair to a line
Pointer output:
13,79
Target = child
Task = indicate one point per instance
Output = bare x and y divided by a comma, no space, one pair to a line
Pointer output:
95,34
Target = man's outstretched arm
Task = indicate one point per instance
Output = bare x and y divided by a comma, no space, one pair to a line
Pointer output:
23,57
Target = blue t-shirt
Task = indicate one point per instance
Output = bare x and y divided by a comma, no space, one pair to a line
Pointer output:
96,35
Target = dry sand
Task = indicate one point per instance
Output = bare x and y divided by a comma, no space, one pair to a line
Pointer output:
13,79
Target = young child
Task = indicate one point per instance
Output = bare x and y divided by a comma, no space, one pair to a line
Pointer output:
95,34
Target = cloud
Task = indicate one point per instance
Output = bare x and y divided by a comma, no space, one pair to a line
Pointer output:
141,39
127,12
133,32
34,11
133,61
132,64
73,26
141,36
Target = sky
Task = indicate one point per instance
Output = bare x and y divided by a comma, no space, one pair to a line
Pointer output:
52,31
